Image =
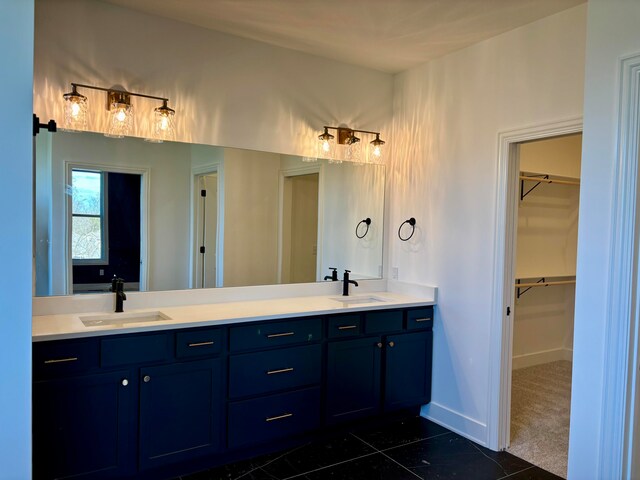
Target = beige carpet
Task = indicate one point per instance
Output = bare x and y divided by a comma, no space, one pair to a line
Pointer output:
540,404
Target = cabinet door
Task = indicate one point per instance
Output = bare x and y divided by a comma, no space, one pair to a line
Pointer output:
180,411
407,370
353,379
82,426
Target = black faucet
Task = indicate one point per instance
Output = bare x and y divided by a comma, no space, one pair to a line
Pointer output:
346,282
334,275
117,286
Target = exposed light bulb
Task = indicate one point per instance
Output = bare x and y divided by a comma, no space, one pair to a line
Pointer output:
325,146
75,110
164,123
121,116
377,152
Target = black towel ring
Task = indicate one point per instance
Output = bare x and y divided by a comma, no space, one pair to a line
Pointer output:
412,222
367,222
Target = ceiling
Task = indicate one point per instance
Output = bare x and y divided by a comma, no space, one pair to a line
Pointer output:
385,35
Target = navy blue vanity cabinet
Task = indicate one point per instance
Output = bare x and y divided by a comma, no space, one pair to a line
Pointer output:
274,380
83,426
180,411
407,370
353,379
386,368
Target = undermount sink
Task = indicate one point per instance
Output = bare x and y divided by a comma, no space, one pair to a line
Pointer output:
358,299
123,318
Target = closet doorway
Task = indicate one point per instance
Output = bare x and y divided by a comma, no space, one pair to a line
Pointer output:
545,232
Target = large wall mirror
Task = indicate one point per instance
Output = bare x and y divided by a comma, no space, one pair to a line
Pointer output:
171,216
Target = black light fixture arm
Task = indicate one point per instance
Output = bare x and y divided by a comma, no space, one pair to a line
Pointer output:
103,89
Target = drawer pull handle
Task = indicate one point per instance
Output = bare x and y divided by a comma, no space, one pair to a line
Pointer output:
347,327
425,319
201,344
146,379
125,382
282,370
392,344
279,417
61,360
379,344
285,334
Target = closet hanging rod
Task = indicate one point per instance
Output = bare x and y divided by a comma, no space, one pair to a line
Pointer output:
540,283
549,180
545,284
540,178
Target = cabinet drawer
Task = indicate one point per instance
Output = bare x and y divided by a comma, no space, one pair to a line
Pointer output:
383,321
263,372
263,335
136,349
60,358
420,318
343,326
272,417
198,342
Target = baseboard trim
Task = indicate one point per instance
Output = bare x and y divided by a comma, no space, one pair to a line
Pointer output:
456,422
545,356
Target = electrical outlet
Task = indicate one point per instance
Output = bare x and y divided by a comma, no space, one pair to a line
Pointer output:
102,272
394,273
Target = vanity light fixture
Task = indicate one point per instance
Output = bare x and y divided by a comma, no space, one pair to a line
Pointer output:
121,113
327,145
75,110
377,144
346,136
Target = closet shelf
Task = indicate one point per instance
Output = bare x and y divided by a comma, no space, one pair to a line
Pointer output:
523,287
539,179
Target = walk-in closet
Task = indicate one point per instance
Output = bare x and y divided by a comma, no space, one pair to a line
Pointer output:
546,246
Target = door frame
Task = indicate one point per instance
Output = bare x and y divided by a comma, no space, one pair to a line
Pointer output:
621,382
295,172
145,193
500,364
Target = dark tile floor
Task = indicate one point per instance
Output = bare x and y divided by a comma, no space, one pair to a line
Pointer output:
409,449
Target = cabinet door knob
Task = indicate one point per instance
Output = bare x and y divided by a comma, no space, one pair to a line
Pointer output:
125,382
392,344
146,379
379,344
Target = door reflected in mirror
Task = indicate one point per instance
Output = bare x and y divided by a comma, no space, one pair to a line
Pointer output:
173,216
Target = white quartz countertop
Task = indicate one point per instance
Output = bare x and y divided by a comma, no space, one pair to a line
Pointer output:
65,326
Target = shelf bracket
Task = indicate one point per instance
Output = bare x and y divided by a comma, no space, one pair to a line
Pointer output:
520,292
533,179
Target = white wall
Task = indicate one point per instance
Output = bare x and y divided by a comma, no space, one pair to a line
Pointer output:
226,90
16,55
612,34
250,217
447,117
